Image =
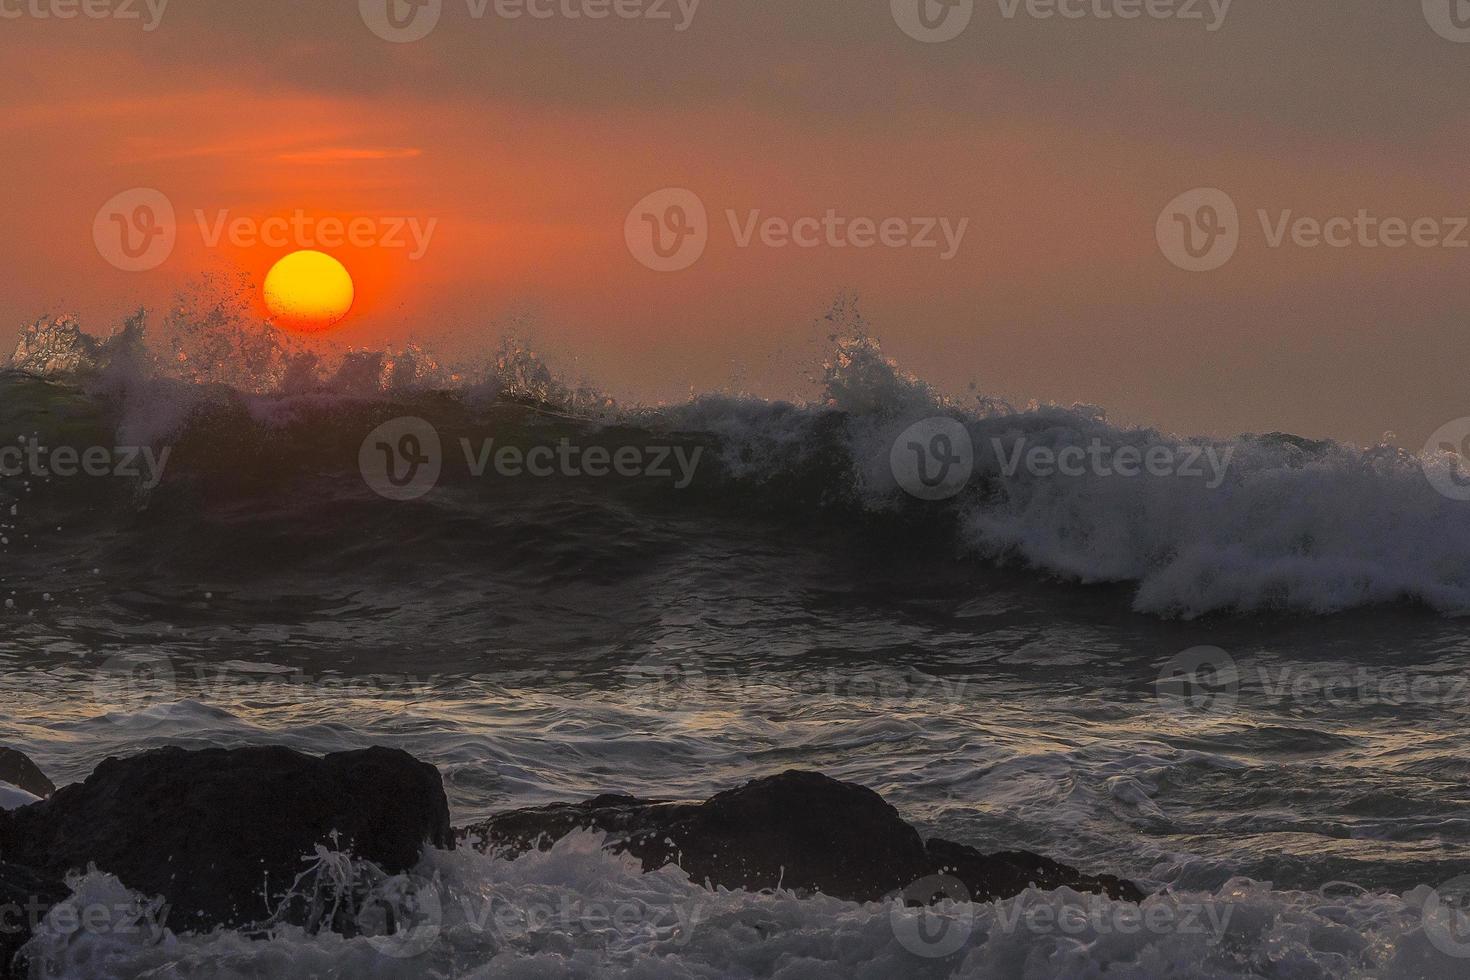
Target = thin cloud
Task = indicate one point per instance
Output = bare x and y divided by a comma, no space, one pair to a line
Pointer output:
347,154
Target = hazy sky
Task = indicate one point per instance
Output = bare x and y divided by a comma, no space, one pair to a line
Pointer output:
516,148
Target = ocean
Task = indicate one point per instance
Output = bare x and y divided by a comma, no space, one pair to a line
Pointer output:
1232,670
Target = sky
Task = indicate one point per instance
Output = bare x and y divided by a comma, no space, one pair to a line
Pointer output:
1005,185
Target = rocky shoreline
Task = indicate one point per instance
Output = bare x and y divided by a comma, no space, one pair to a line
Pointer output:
225,837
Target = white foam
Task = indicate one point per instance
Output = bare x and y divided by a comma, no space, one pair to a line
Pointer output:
1264,523
577,911
13,797
1319,531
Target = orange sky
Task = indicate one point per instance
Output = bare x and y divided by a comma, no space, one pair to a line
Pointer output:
523,144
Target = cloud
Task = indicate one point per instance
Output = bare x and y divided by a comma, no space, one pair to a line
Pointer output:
349,154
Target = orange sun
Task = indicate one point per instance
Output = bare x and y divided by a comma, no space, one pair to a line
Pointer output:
308,291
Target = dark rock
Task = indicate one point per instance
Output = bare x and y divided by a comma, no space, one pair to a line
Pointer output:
774,831
991,876
25,898
801,830
18,770
222,833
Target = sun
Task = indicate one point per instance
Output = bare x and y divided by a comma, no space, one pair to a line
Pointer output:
308,291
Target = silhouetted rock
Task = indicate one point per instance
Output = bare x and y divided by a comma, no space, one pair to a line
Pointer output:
991,876
221,833
25,898
18,770
801,830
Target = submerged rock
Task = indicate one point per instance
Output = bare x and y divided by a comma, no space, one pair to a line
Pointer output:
18,770
222,833
800,830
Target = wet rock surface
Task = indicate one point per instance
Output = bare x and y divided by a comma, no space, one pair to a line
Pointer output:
221,834
799,830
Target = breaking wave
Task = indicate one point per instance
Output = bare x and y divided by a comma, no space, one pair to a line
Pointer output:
1269,522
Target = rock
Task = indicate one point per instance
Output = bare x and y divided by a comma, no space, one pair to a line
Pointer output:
800,830
25,898
991,876
18,770
222,833
775,831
